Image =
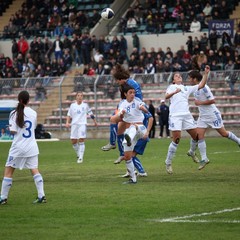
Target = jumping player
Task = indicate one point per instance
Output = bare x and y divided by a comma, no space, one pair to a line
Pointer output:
180,117
209,117
131,113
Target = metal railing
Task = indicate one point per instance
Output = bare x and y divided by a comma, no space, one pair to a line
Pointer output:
100,90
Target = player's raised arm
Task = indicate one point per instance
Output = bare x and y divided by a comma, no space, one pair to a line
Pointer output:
205,77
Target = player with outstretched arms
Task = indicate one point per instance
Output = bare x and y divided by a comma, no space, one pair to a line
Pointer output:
180,117
209,117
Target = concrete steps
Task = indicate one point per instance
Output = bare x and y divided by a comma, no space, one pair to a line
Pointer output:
13,8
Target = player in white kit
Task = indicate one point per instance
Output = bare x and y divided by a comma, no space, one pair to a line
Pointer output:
180,117
130,111
209,117
24,149
77,119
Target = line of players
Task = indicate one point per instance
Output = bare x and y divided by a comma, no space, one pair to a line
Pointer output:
128,133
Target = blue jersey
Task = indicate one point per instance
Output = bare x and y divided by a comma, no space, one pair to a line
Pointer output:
136,86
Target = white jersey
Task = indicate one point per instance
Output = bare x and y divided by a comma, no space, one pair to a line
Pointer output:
132,112
205,111
179,102
24,143
79,112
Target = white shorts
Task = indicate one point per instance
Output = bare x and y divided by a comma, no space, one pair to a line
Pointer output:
214,122
78,131
184,122
22,162
141,130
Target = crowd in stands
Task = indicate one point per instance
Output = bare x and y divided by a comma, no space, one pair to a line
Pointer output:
184,15
49,18
43,57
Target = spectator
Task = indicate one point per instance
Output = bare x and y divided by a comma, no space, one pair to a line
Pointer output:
236,40
58,48
163,115
182,23
207,10
115,43
213,39
40,92
14,49
47,48
135,41
190,45
195,26
67,59
23,47
226,40
203,43
94,19
123,46
131,25
151,109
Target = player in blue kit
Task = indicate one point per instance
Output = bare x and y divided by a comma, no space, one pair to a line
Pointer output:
121,76
24,151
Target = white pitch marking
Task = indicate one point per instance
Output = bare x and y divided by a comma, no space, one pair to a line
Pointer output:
184,218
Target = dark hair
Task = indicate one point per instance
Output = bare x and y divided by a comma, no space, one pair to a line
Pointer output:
120,72
124,88
23,98
195,74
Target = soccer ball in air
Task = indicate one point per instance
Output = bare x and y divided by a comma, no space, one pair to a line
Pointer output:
107,14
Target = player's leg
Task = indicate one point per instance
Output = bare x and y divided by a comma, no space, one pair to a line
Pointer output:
112,134
175,125
81,142
39,185
120,137
6,184
202,147
230,135
74,138
172,149
193,145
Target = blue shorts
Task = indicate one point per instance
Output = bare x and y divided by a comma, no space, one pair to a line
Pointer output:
140,146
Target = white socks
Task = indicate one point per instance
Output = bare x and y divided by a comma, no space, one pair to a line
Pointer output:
6,185
76,148
39,184
171,152
202,149
81,150
130,168
193,146
233,137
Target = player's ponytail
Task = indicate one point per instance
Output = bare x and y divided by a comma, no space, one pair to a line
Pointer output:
23,99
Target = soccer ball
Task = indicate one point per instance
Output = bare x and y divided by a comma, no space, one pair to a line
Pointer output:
107,14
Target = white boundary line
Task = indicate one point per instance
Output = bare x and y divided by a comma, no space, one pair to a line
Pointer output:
186,218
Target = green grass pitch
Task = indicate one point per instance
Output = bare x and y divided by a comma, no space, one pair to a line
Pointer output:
88,201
